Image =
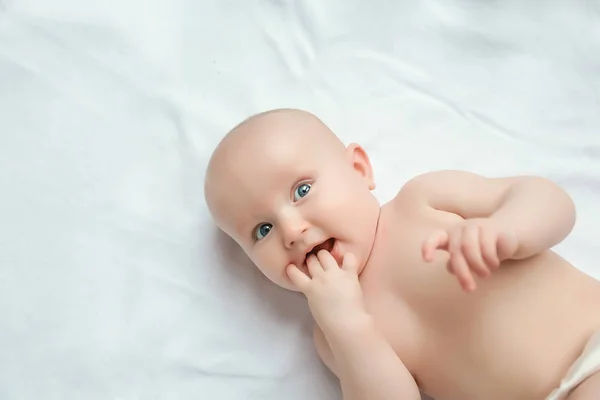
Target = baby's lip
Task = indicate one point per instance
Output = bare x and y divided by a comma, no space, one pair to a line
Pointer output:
335,252
324,245
331,245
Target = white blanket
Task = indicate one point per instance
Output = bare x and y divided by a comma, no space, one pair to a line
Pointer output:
114,283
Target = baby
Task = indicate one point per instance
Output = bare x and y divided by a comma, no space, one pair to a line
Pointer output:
449,288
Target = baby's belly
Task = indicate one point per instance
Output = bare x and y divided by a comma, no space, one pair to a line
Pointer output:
514,338
498,368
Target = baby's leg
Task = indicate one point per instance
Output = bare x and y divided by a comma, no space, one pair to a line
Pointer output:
588,389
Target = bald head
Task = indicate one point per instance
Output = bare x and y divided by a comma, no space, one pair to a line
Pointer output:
279,124
270,138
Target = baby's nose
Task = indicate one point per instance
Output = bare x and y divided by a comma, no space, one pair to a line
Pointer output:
294,233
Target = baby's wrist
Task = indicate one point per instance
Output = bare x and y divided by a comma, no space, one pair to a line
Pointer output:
346,325
352,337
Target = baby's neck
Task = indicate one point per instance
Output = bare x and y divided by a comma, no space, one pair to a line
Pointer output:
379,237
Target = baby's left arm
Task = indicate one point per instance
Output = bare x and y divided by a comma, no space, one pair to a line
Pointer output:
535,210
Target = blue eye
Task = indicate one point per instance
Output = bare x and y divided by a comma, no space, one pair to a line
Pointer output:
262,230
301,191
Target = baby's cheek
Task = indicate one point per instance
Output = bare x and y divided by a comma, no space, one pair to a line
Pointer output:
269,267
270,273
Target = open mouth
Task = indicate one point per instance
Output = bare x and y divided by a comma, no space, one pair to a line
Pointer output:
326,245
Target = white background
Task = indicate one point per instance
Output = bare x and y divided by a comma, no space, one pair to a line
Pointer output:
113,282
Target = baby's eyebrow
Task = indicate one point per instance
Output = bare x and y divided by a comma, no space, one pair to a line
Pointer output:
241,227
246,223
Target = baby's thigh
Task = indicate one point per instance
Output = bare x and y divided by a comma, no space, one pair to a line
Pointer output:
587,390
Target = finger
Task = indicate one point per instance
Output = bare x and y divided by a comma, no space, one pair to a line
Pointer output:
487,240
297,277
350,263
471,250
454,240
326,259
507,245
437,240
461,270
314,266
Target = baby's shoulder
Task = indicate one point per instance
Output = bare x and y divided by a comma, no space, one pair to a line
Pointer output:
418,200
414,192
449,186
433,180
417,189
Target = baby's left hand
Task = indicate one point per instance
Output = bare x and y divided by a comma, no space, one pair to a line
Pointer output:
475,246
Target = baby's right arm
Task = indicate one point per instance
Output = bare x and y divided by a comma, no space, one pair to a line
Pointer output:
350,344
365,363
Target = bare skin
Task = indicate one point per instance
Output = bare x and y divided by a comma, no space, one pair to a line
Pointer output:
450,287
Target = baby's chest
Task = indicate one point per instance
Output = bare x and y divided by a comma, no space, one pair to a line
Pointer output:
396,320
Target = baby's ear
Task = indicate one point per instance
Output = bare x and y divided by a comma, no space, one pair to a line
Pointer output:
359,160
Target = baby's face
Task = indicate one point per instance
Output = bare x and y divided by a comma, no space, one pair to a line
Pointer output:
283,198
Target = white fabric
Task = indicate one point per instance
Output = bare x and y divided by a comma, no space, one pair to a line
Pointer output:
586,365
113,282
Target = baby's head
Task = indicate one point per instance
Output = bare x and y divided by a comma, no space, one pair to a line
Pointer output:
282,184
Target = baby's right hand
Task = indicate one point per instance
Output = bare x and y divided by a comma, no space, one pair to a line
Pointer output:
334,294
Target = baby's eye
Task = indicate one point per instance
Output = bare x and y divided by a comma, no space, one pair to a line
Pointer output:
301,191
262,230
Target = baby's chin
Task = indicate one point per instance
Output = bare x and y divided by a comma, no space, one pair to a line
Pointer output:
286,284
280,279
